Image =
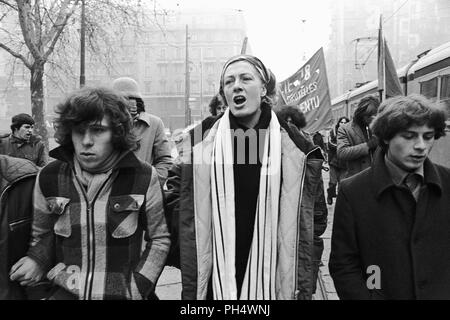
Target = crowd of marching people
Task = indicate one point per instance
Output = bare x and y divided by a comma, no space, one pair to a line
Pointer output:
241,209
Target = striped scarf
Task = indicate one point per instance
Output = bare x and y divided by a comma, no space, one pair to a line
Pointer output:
259,279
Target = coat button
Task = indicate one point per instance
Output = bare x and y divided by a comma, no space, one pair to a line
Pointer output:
116,206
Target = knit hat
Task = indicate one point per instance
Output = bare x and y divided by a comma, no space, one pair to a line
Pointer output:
127,87
22,118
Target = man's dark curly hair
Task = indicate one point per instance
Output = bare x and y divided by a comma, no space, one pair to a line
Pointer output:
88,105
361,109
400,113
297,117
338,123
214,103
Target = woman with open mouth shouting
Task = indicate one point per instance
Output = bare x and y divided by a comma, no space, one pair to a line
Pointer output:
241,197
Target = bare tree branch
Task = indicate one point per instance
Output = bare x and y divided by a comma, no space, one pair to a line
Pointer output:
48,36
58,28
17,55
28,32
8,3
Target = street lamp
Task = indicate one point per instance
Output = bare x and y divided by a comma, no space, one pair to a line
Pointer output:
187,110
82,45
303,21
200,68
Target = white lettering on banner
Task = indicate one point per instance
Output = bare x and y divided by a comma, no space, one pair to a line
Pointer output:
309,104
307,72
305,75
302,92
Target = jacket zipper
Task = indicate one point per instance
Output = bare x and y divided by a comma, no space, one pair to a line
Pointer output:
296,292
12,183
89,249
91,235
89,238
13,226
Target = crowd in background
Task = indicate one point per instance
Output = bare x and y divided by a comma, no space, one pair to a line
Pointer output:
240,210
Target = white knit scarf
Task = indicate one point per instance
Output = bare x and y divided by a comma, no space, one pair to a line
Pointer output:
259,279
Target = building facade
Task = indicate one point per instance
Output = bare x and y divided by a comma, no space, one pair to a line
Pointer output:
410,28
156,57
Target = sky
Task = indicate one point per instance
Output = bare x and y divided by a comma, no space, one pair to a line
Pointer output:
282,33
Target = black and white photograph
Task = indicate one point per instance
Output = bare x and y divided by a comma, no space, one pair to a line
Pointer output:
204,150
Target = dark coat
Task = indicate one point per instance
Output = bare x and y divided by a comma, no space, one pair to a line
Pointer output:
377,223
17,177
353,149
33,150
332,148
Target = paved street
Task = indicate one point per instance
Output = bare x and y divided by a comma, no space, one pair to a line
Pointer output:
169,284
328,282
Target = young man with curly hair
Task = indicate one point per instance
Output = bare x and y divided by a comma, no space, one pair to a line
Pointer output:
93,205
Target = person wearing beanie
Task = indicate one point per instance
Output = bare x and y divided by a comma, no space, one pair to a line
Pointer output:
153,145
22,143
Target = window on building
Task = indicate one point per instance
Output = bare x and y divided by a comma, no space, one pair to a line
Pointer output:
179,69
413,40
148,53
162,86
146,37
209,36
195,86
194,53
127,69
148,72
209,53
162,69
180,53
445,92
147,87
179,86
209,68
162,53
429,88
212,87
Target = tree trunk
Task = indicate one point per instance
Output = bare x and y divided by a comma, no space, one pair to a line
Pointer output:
37,100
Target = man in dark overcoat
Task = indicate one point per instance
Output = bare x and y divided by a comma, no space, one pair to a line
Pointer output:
391,236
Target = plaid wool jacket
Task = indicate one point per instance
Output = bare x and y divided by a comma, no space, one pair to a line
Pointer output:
91,241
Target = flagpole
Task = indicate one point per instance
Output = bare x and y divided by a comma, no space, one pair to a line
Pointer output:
388,81
381,62
244,46
383,93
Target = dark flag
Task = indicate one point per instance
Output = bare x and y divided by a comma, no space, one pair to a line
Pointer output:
308,90
388,82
